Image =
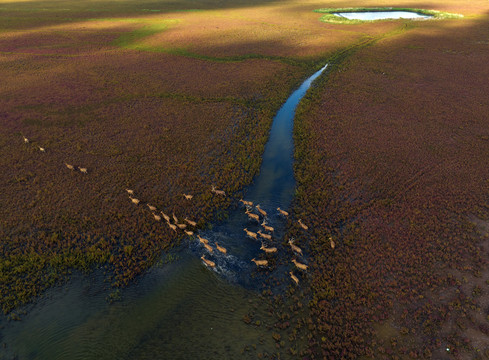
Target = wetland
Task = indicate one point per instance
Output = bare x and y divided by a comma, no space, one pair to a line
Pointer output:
386,168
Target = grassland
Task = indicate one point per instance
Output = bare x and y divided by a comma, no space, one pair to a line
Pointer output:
392,151
171,97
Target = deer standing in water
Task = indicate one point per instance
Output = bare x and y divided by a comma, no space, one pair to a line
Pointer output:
252,216
250,233
266,227
221,249
265,236
202,240
282,212
260,210
208,262
247,203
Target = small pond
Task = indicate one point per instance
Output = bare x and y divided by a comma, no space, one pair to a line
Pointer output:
380,15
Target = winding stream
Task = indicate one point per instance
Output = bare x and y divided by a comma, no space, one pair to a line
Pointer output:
180,309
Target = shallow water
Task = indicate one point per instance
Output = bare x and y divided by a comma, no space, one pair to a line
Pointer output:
380,15
180,309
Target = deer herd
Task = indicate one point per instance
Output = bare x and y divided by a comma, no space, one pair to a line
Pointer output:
186,222
264,233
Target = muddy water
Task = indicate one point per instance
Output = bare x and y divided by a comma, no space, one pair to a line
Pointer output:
180,309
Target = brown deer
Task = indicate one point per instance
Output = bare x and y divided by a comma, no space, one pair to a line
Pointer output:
282,212
260,210
302,224
202,240
266,227
166,217
247,203
294,247
260,262
293,277
252,216
250,233
134,200
265,236
221,249
208,262
151,207
218,192
268,250
190,222
299,265
188,197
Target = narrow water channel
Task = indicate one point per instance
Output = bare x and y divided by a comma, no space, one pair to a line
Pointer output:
181,309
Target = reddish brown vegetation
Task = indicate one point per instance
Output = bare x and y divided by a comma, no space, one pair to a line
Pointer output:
394,151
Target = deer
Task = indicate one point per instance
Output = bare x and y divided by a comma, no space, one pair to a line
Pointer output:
130,192
71,167
182,226
166,217
265,236
174,218
41,149
189,233
260,262
332,242
208,262
268,250
218,192
134,200
157,217
190,222
209,248
293,277
250,233
282,212
221,249
202,240
260,210
252,216
299,265
266,227
173,227
26,140
151,207
294,247
83,170
247,203
302,224
188,197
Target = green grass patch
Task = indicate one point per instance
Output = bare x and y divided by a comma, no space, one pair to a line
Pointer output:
330,16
